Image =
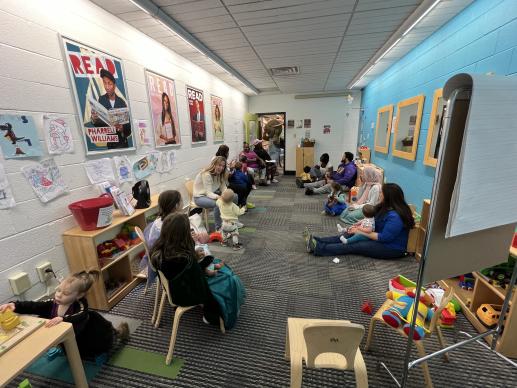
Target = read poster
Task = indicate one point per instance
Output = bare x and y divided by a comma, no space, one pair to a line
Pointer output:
196,109
101,98
164,115
217,118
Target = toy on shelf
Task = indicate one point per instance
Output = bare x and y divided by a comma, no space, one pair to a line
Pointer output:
499,275
401,313
489,314
9,320
367,307
122,242
467,281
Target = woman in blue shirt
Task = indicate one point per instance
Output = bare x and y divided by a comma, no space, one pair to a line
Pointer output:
393,221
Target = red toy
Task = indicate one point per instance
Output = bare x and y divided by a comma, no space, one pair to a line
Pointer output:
367,307
215,236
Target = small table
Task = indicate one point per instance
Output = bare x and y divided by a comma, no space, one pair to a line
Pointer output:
16,359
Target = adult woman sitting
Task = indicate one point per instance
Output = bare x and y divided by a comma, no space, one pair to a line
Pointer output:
208,186
223,151
393,220
267,173
369,194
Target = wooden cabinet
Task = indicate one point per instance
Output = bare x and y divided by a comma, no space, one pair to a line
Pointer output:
304,157
484,292
120,273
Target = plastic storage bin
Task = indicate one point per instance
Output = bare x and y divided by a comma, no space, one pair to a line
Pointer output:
93,213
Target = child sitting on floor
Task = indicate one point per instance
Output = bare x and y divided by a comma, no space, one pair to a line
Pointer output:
304,178
205,261
244,168
94,334
336,200
230,213
366,225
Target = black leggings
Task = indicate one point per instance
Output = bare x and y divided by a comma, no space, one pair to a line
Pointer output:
242,192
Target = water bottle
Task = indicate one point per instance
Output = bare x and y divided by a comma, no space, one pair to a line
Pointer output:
353,194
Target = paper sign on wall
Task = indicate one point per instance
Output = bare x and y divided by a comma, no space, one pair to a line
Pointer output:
144,166
45,179
99,170
58,134
123,169
6,195
144,132
19,137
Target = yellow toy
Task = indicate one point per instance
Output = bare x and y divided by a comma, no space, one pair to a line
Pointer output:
9,320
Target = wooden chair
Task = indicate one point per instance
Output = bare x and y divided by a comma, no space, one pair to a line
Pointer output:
177,315
324,343
189,186
141,236
433,326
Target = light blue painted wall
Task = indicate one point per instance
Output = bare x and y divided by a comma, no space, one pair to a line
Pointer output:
481,39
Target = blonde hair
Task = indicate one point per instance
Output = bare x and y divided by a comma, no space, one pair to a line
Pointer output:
82,281
227,195
213,164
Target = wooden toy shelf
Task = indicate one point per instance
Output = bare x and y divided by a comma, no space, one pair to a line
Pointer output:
484,292
119,271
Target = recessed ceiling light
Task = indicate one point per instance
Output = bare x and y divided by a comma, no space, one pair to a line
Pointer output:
284,71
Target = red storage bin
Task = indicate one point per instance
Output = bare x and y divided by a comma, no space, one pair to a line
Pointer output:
514,243
93,213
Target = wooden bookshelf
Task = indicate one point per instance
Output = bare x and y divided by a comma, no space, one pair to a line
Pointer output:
484,292
81,251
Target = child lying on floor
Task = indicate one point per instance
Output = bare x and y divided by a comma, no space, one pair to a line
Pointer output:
366,225
94,334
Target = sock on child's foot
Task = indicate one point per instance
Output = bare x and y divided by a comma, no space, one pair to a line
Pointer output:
340,229
343,239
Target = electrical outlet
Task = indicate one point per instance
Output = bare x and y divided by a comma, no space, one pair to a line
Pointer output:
40,269
20,283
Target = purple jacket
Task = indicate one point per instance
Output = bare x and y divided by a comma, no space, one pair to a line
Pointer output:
345,174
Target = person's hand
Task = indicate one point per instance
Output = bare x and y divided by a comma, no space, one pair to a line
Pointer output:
7,306
118,127
163,137
54,321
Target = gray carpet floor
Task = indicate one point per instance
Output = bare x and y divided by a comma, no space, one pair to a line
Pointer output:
282,281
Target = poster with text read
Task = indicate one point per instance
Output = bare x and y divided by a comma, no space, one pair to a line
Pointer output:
217,118
164,114
196,109
101,97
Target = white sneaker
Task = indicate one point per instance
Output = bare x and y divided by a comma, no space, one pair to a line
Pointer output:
323,213
340,229
275,180
205,321
254,187
343,240
268,182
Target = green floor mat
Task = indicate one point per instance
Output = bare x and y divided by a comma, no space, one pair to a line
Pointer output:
247,229
58,369
146,362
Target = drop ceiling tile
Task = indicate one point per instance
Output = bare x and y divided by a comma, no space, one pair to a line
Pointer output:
135,15
369,5
271,4
191,6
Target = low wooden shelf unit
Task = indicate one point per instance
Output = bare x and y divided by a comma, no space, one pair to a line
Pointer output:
118,271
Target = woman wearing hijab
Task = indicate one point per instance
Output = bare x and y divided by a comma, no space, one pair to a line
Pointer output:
369,193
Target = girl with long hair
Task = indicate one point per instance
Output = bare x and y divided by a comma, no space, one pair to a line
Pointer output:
175,256
393,221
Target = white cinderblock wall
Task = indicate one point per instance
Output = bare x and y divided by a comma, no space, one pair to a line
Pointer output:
34,81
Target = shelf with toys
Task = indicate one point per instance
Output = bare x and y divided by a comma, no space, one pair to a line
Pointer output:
114,250
480,304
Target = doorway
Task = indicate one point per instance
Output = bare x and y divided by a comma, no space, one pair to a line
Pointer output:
271,129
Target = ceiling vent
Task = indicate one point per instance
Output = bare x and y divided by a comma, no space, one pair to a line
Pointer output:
284,71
